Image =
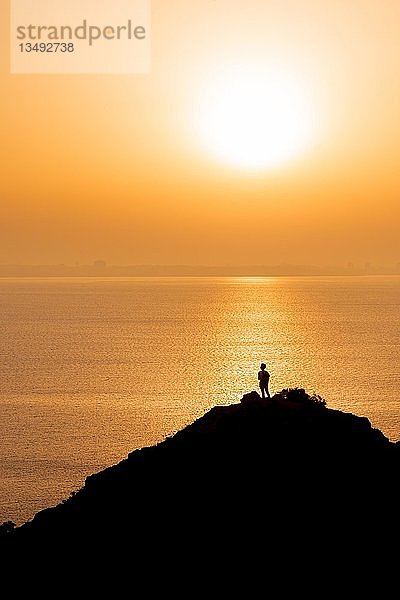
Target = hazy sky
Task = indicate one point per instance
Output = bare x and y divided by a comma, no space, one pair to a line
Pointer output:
113,167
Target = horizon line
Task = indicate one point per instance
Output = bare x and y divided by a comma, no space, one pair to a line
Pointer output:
100,268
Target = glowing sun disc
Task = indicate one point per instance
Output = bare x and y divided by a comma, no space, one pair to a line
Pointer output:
255,118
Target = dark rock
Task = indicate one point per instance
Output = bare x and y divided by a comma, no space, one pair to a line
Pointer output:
252,398
286,470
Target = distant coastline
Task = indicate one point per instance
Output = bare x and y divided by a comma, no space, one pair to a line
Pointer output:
101,269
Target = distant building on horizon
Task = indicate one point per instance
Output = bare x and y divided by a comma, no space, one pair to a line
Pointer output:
99,265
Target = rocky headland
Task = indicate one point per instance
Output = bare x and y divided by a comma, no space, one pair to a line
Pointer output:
287,470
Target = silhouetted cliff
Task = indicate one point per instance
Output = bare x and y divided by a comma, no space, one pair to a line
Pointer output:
259,471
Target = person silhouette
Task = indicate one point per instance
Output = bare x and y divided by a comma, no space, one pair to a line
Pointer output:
263,378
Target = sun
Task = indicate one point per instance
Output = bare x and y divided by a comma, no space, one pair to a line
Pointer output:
255,118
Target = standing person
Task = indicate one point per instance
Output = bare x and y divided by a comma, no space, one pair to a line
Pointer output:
263,378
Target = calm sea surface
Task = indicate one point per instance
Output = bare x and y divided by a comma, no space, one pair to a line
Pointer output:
91,369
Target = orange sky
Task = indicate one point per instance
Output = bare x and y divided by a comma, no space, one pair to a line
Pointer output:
111,166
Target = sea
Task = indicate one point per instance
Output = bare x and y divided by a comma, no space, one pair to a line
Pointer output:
93,368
